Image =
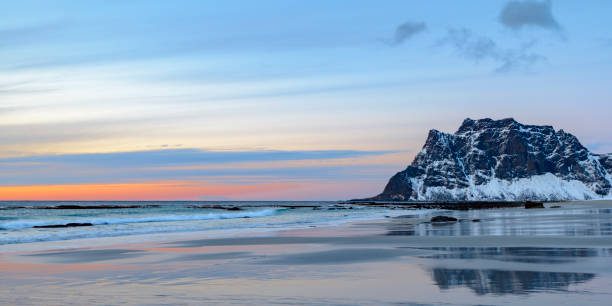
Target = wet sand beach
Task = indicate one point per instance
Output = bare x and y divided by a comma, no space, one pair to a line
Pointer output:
493,256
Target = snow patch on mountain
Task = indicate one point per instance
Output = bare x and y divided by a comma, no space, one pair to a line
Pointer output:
546,187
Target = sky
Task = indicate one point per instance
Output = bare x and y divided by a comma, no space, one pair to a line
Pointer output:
278,100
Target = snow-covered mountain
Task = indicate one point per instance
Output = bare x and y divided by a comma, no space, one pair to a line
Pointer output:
502,160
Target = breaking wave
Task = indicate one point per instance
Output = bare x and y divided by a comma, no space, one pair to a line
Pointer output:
161,218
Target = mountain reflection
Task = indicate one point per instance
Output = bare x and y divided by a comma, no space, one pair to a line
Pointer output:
520,254
506,282
494,281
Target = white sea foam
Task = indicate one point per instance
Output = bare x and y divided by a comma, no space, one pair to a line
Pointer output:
269,219
159,218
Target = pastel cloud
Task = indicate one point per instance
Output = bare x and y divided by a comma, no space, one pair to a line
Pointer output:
193,174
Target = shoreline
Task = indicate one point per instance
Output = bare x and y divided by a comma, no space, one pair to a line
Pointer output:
337,227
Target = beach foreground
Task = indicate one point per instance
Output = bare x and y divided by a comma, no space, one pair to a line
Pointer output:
555,255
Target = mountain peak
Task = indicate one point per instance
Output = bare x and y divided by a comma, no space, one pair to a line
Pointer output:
502,159
470,125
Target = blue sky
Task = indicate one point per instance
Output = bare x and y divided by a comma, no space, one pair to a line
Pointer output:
100,77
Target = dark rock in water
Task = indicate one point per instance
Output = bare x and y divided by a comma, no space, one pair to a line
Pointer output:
555,206
63,225
501,160
530,204
77,207
232,208
476,220
443,219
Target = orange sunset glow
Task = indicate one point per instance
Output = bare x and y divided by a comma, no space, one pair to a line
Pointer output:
135,191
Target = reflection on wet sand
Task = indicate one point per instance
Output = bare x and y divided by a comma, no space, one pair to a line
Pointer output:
507,282
570,222
532,274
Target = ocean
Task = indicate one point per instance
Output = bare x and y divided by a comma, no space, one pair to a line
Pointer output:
24,222
39,221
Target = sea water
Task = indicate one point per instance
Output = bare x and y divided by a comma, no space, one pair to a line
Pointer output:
20,222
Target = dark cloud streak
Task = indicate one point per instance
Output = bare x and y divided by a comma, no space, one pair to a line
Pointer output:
169,157
407,30
519,14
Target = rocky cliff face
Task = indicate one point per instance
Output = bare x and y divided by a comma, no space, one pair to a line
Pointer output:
606,161
502,160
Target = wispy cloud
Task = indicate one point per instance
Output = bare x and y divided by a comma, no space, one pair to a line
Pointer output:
519,14
32,33
24,87
406,31
82,43
481,48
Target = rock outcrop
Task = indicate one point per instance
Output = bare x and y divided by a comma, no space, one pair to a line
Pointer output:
502,160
